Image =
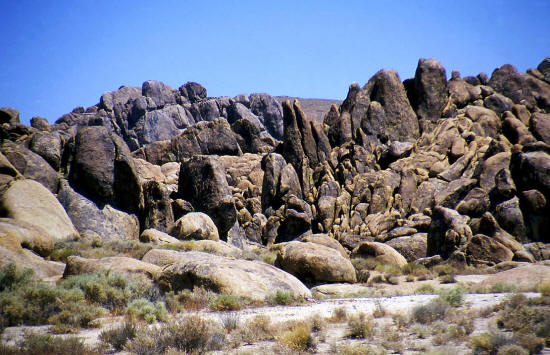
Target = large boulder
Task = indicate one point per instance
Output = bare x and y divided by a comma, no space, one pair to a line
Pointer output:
49,146
523,277
381,252
30,202
195,225
77,265
326,240
314,262
103,169
106,223
483,248
411,247
449,232
540,125
203,183
255,280
157,208
31,165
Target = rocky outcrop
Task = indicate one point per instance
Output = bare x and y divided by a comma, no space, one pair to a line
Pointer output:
381,252
254,280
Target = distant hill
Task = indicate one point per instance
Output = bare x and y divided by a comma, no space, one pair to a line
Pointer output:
315,109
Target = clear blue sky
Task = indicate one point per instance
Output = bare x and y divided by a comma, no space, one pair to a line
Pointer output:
56,55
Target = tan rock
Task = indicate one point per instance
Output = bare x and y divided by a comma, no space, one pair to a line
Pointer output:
326,240
147,171
12,252
527,276
29,236
77,265
482,247
341,291
314,261
195,225
382,252
29,201
255,280
157,237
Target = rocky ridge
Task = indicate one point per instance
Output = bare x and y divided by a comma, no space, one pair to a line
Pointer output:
400,171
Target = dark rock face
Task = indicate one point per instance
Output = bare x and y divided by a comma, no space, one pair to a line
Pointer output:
103,170
31,165
430,91
449,232
9,115
157,209
270,113
202,182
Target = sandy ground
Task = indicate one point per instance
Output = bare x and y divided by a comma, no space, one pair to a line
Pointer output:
325,308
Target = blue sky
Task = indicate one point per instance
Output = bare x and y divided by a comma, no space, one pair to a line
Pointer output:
56,55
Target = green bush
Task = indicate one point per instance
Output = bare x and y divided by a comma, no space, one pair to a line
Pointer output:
453,296
119,336
12,277
282,297
512,349
146,310
414,269
391,269
225,302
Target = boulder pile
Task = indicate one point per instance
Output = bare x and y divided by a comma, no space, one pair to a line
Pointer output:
399,171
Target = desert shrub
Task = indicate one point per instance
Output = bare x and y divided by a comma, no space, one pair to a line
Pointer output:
282,297
46,344
12,277
425,289
429,312
530,342
360,327
339,314
117,337
444,269
379,310
392,280
390,269
453,296
299,337
500,287
225,302
362,275
194,300
544,289
142,309
191,335
258,328
392,339
364,263
447,279
490,342
112,290
230,321
421,331
512,349
35,303
443,350
400,320
414,269
357,349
